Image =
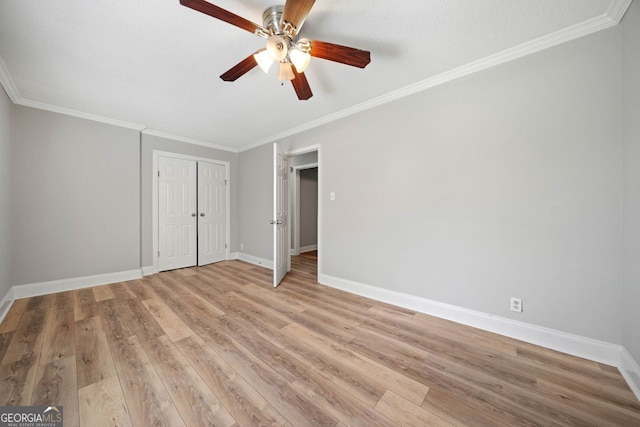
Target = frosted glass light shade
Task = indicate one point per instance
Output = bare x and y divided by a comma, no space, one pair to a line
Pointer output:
300,59
286,72
277,48
264,60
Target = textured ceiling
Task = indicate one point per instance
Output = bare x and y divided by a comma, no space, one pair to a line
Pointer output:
155,64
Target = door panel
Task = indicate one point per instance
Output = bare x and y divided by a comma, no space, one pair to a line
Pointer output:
281,237
177,208
212,198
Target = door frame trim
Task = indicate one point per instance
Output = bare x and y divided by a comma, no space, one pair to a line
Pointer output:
154,199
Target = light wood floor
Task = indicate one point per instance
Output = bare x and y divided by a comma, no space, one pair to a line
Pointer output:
216,345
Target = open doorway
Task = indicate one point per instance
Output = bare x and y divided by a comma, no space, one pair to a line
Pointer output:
307,209
304,209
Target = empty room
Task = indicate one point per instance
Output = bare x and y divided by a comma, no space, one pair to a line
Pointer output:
247,213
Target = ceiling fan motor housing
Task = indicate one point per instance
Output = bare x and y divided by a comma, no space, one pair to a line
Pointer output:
271,19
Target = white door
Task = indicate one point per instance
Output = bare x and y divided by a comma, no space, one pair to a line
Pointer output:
212,227
177,220
281,253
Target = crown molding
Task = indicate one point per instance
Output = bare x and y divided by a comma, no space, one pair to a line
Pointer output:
7,83
612,17
617,10
79,114
188,140
17,99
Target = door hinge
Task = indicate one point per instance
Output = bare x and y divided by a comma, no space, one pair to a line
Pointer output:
225,182
158,173
225,246
158,254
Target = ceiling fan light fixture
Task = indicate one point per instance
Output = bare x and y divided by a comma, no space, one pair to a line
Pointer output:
300,59
264,60
286,72
277,47
281,28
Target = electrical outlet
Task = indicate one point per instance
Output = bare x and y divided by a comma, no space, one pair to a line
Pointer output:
516,304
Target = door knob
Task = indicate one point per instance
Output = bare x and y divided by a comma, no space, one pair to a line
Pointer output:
278,222
272,222
202,214
193,214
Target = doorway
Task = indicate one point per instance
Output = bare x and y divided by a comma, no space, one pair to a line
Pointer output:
304,208
305,211
190,211
305,265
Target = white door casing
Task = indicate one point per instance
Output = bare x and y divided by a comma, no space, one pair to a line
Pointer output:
212,229
177,207
281,239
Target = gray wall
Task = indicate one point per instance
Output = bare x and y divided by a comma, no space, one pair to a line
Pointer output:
152,142
631,133
75,197
505,183
308,207
5,193
256,201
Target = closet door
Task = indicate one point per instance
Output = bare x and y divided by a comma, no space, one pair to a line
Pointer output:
212,227
177,207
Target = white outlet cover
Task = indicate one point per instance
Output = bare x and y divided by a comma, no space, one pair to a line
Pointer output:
516,304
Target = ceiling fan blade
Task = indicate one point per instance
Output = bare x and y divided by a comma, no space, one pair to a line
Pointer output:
296,11
301,86
221,14
342,54
240,69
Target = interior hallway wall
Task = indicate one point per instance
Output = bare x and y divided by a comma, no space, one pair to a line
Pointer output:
298,160
308,207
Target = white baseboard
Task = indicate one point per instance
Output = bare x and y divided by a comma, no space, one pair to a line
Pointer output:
576,345
5,304
587,348
308,248
267,263
43,288
148,270
630,370
599,351
54,286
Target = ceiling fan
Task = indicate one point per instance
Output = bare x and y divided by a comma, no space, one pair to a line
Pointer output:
281,29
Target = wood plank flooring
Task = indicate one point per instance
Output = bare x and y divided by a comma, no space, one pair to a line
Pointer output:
218,346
